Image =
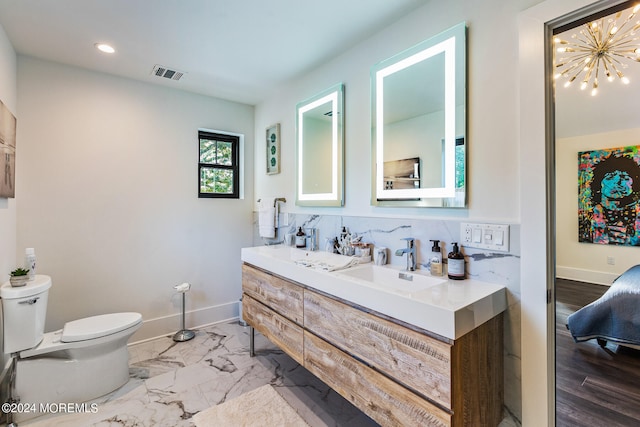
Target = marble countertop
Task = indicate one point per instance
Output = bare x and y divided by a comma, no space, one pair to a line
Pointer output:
449,308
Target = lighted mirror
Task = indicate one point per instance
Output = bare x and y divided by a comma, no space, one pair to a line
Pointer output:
419,124
319,149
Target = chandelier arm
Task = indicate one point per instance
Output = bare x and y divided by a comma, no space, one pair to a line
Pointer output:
615,69
587,75
606,69
593,37
626,21
573,64
624,55
625,42
612,58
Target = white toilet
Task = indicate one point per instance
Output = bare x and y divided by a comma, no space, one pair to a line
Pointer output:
86,359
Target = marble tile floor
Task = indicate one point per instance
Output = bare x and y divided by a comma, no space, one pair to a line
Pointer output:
170,382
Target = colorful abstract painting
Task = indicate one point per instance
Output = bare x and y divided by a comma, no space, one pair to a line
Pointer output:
608,195
7,152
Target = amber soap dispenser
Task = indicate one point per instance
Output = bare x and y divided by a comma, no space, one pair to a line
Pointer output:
456,263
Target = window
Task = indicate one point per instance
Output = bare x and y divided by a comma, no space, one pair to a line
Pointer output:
219,165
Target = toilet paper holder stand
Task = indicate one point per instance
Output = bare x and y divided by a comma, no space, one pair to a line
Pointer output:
183,334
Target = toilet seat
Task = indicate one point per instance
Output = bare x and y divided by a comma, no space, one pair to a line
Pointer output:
104,328
98,326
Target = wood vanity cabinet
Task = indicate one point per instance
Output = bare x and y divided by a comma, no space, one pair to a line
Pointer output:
397,374
273,306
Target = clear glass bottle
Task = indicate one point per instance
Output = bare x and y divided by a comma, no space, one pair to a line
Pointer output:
30,262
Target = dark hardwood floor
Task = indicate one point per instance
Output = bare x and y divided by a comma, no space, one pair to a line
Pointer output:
595,386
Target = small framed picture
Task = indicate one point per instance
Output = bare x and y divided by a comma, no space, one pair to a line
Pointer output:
273,149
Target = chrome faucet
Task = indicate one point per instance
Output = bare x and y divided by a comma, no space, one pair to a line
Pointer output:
410,250
312,238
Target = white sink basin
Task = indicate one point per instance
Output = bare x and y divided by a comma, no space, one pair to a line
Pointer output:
392,280
449,308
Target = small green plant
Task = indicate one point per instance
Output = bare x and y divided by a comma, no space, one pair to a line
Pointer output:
19,272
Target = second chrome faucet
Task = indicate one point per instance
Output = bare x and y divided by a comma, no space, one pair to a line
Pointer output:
410,250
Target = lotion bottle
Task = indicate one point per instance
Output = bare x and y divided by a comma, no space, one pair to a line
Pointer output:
436,259
456,263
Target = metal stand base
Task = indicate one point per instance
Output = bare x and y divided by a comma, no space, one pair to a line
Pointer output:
252,342
183,334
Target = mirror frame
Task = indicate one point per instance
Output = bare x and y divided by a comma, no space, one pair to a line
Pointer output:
335,95
452,43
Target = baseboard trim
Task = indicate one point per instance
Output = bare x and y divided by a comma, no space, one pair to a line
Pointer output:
589,276
169,325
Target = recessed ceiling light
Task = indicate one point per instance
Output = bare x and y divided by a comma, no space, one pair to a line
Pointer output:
104,48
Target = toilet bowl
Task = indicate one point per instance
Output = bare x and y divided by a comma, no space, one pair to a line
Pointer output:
86,359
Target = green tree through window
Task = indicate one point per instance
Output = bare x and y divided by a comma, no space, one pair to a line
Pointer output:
218,166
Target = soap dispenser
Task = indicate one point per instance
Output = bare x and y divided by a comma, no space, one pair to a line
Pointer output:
436,259
456,263
301,238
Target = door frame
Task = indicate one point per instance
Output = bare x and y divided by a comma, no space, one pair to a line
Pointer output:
537,205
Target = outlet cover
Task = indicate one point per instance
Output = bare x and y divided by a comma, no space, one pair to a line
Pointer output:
494,237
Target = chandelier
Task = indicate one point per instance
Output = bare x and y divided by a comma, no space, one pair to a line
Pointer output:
601,47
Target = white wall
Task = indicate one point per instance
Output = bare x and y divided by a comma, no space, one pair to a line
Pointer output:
107,183
492,113
586,261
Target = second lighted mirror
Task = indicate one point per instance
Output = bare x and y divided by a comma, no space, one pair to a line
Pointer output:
418,124
319,149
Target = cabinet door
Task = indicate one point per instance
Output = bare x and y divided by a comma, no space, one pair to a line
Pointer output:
278,329
416,360
384,400
282,296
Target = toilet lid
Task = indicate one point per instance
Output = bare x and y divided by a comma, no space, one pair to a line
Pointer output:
98,326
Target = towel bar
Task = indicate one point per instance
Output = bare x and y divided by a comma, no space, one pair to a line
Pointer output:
279,199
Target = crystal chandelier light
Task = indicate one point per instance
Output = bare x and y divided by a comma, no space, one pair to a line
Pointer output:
601,46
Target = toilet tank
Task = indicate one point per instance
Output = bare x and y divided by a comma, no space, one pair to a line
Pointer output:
24,310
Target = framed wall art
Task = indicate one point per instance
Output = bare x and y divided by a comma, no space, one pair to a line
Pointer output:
273,149
609,196
7,152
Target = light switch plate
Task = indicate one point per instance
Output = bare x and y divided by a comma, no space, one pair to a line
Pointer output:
494,237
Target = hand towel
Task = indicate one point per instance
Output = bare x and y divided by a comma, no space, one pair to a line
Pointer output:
267,217
328,264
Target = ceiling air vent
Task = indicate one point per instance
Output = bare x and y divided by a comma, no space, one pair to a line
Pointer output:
167,73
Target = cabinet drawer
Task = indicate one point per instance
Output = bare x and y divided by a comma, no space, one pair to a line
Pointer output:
282,296
416,360
387,402
281,331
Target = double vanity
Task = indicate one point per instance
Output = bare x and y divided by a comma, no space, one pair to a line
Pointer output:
404,347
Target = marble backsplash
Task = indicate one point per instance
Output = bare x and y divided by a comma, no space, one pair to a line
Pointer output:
495,267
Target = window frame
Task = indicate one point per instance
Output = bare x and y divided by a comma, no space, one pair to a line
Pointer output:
236,147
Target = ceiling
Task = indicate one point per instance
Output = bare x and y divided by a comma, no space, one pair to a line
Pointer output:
239,50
